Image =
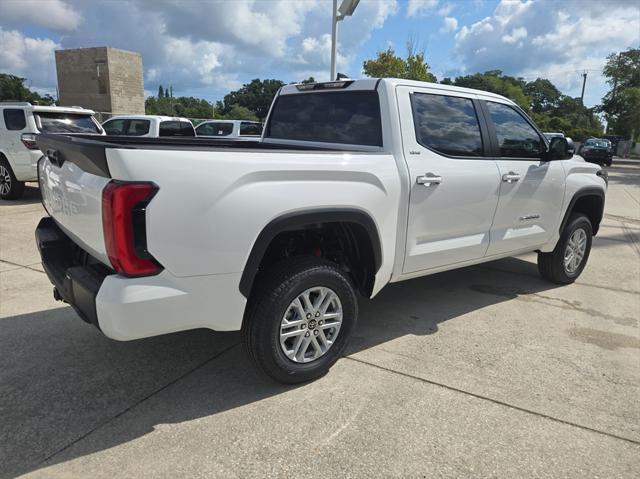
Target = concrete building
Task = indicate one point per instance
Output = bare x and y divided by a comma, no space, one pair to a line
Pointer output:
104,79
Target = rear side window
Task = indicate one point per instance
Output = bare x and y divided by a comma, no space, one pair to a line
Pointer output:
516,137
14,119
215,129
351,118
66,123
176,128
114,127
138,127
446,124
249,128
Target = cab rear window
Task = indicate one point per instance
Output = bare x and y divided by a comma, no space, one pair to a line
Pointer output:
351,118
176,128
49,122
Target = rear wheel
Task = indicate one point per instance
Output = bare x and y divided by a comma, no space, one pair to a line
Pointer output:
10,187
299,319
566,262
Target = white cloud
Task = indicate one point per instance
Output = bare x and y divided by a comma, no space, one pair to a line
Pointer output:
446,9
449,24
19,53
515,35
560,39
420,7
57,15
199,47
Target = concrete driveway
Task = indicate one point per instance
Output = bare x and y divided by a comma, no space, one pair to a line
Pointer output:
485,371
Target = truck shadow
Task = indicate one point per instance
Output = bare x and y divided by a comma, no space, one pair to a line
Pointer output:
67,392
31,196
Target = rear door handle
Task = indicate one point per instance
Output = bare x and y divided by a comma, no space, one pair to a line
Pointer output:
511,177
429,179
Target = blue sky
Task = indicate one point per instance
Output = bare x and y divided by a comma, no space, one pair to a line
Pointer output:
205,48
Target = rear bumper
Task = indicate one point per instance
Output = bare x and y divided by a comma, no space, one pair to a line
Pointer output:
133,308
75,279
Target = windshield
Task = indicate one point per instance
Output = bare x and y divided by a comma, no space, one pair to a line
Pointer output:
597,143
51,122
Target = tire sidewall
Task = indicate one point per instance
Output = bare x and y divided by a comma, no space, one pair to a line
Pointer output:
574,224
291,288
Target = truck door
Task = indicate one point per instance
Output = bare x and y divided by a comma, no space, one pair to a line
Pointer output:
531,190
454,180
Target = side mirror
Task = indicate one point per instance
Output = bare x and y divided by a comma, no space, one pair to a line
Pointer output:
560,149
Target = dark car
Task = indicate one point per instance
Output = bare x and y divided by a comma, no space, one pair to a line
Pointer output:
597,150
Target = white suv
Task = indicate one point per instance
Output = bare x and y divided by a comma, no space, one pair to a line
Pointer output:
154,126
20,122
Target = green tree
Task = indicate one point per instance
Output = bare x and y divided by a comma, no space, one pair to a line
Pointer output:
256,96
237,112
495,82
308,80
543,94
12,89
388,65
621,105
160,92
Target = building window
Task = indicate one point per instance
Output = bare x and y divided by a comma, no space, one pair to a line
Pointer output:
101,75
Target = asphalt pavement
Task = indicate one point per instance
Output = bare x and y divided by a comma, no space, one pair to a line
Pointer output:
487,371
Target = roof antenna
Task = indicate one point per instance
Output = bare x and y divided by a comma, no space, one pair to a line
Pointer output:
342,76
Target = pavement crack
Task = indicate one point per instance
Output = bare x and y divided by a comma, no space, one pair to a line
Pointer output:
497,401
21,266
631,236
137,403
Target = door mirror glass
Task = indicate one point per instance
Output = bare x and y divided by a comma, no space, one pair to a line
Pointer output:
560,149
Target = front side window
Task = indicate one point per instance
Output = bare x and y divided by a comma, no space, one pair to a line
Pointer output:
50,122
114,127
446,124
14,119
249,128
351,118
215,129
176,128
138,127
516,137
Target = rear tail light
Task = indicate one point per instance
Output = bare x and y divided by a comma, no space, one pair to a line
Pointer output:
124,225
29,140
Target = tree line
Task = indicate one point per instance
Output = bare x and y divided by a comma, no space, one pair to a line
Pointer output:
540,98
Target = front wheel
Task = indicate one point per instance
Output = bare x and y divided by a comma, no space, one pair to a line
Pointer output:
10,187
299,319
566,262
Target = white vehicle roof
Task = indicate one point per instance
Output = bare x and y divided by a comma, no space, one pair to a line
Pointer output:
148,117
372,84
44,108
228,121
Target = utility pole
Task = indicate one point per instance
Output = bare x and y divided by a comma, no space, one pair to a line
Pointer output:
584,82
346,9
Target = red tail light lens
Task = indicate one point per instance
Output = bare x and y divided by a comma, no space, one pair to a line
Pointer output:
124,226
29,141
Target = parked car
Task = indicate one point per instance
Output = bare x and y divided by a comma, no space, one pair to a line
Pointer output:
230,130
20,122
597,150
153,126
355,184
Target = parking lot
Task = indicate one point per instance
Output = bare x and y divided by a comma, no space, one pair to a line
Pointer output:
488,371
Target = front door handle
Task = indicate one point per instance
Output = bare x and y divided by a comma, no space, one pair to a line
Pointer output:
429,179
511,177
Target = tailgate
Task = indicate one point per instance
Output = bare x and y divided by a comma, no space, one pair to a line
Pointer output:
72,175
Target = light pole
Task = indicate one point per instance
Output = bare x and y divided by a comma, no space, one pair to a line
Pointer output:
347,7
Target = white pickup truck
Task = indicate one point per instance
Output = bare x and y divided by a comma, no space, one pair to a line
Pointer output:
355,184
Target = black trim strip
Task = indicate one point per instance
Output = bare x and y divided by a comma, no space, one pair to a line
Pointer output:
301,219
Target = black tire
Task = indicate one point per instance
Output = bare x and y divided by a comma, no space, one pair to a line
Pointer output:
609,162
272,294
551,265
10,187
